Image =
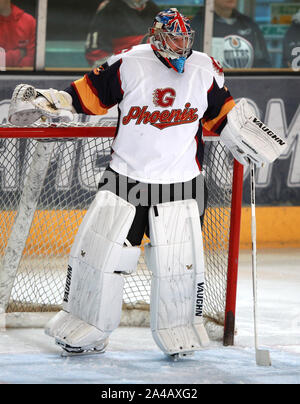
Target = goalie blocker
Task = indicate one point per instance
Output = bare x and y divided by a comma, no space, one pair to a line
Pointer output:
250,139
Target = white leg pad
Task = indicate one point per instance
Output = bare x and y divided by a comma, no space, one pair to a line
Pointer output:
175,257
94,286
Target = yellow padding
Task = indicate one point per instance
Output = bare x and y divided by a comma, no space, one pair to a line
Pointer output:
53,231
276,227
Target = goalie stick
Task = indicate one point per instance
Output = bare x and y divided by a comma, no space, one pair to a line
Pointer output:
262,356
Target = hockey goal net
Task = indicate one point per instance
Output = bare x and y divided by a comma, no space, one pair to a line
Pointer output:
49,177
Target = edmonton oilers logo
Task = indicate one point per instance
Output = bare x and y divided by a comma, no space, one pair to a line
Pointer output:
238,53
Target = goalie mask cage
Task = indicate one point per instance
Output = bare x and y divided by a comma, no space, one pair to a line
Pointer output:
49,177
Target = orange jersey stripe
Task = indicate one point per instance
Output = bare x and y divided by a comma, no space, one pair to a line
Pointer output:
88,99
226,108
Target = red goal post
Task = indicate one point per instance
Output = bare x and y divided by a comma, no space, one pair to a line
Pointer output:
45,198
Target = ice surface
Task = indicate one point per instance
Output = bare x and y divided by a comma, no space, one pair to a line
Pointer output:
29,356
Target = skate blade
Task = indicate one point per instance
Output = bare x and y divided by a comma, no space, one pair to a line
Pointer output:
66,354
68,350
181,355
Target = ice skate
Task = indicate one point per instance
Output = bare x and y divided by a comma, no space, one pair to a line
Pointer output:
181,355
69,350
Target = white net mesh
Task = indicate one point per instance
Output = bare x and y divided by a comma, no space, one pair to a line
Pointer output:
69,187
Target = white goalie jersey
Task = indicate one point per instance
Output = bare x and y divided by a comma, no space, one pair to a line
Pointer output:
163,115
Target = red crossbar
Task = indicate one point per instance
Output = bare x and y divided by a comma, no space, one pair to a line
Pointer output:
57,132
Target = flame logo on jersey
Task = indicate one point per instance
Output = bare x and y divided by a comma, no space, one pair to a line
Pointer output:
164,97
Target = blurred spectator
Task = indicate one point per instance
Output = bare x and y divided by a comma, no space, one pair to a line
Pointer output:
118,25
17,35
291,41
29,6
237,39
69,20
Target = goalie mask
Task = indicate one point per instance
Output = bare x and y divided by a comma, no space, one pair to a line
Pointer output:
172,36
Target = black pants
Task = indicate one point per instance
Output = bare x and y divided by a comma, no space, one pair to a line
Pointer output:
143,195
